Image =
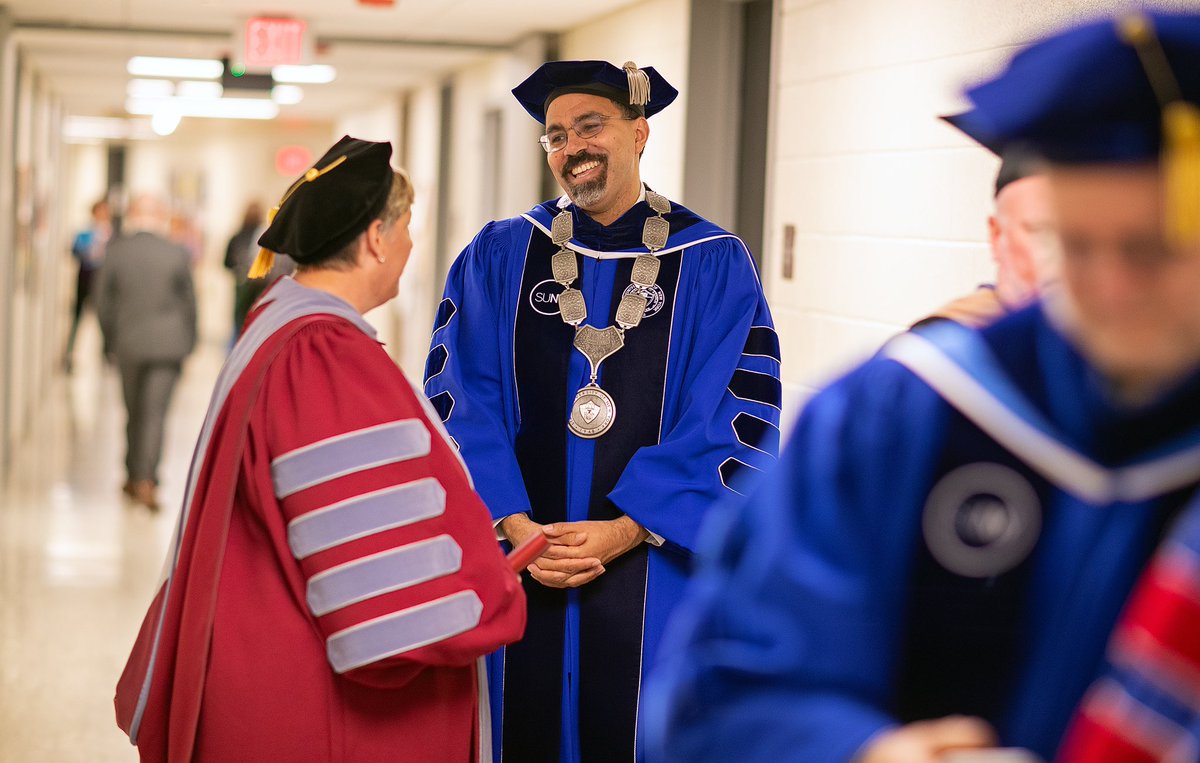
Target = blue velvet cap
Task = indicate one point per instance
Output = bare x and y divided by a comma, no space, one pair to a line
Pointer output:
601,78
1083,95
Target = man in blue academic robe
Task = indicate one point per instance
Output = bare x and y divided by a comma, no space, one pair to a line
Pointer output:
607,365
950,535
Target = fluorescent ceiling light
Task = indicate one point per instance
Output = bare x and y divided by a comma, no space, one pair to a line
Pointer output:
316,74
165,120
77,129
191,68
150,88
286,95
191,88
215,108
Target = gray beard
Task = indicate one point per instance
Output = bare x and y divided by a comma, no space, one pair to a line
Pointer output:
589,194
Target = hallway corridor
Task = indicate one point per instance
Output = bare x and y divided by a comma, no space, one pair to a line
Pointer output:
78,561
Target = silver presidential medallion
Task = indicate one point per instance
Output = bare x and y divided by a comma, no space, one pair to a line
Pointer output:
593,412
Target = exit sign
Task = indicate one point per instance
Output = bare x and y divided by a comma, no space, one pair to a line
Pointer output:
274,42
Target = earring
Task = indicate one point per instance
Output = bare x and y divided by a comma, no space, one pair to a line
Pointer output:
381,259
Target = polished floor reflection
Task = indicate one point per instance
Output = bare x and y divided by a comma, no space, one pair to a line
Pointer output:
79,561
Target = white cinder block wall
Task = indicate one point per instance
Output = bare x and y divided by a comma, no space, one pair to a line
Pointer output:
889,205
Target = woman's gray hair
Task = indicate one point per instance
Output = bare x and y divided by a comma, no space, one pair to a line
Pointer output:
399,201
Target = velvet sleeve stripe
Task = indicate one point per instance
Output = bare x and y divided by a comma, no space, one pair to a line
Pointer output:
756,433
403,631
756,387
762,342
365,515
436,362
445,312
443,403
381,573
729,470
347,453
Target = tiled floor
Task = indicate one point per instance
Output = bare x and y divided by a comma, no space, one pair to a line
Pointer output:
78,563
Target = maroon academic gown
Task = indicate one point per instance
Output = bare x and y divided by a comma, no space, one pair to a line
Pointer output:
335,578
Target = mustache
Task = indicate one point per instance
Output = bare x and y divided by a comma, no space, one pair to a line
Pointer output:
583,158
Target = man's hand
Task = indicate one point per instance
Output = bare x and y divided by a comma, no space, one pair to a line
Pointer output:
518,527
926,741
578,550
576,543
554,573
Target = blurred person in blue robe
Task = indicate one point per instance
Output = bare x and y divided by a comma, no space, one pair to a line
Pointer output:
937,563
607,364
88,250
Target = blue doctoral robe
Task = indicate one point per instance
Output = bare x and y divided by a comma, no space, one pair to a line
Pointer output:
953,528
697,396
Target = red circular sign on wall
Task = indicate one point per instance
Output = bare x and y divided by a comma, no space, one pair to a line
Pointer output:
290,161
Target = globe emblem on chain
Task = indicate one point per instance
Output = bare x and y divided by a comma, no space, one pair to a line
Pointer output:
655,297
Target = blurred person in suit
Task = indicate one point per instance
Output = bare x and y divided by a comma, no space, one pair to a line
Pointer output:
146,303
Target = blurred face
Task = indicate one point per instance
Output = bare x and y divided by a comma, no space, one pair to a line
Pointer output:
1128,299
1024,241
600,173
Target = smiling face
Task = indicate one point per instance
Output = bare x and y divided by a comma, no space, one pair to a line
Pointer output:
600,174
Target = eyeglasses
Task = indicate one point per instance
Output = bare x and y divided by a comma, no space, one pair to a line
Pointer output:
586,127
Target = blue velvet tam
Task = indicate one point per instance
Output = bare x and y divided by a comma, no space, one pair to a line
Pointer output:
332,203
1016,161
1089,94
643,89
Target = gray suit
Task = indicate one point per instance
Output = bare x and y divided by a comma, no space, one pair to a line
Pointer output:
147,309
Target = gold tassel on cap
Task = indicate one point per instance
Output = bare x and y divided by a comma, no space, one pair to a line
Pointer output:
1181,166
1181,133
639,84
262,263
266,258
